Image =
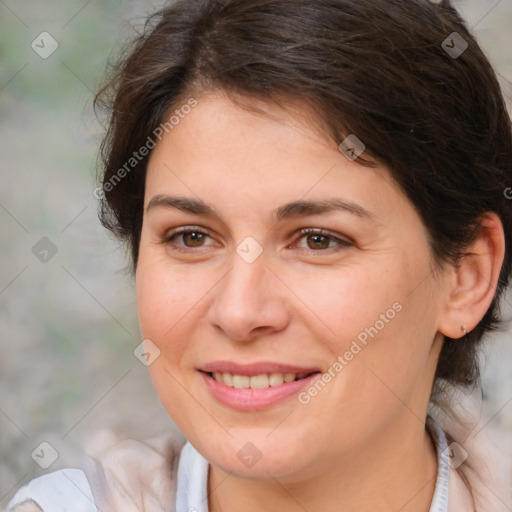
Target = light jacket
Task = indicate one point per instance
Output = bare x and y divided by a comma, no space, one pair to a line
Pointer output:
135,476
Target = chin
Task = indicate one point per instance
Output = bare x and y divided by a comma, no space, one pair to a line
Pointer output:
255,460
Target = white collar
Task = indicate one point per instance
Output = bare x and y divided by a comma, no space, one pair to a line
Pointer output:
192,481
441,490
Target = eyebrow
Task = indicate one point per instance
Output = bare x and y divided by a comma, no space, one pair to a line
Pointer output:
294,209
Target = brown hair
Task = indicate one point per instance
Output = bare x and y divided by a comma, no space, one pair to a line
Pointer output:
380,70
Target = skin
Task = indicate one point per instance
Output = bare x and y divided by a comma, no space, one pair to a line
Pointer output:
360,444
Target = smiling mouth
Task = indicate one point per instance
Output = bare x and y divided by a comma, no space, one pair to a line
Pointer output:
261,381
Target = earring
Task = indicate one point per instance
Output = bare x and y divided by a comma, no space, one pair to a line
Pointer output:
463,329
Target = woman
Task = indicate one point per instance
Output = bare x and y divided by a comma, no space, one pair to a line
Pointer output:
313,196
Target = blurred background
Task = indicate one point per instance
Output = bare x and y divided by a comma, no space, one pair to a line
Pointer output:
67,303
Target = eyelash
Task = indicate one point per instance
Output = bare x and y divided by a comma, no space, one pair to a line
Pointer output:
167,239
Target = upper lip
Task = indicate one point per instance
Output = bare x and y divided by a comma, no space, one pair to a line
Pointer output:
255,368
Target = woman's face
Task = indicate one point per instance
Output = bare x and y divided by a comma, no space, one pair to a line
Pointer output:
351,313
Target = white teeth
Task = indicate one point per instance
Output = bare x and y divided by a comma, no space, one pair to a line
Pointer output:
276,379
241,381
228,379
261,381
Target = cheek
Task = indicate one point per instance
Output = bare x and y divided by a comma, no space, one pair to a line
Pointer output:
161,301
366,315
171,304
342,304
164,305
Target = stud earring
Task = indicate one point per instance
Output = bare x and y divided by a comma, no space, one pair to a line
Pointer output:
463,329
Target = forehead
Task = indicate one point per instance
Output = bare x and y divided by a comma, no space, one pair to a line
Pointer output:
258,156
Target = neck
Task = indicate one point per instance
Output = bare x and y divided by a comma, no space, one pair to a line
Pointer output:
395,472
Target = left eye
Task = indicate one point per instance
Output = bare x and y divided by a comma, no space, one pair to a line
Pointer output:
318,239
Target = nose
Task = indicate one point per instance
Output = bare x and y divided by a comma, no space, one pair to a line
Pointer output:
249,302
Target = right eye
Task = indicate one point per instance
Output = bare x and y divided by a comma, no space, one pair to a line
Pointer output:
190,237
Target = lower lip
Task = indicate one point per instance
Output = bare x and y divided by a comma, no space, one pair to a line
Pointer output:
254,399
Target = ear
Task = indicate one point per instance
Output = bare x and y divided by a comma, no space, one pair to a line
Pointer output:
472,283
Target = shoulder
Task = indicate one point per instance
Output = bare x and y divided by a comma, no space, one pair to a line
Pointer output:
139,475
116,474
55,491
479,474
